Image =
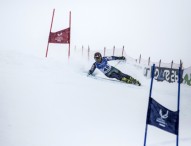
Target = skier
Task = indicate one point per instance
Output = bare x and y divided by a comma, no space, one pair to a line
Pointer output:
110,71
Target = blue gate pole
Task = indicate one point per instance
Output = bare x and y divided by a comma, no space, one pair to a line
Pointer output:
178,105
151,86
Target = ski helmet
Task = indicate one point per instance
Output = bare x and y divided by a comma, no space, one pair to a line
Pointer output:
97,56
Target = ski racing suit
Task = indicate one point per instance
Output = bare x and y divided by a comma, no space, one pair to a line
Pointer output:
108,70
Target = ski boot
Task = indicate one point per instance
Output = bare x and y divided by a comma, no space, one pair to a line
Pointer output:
135,82
131,81
126,80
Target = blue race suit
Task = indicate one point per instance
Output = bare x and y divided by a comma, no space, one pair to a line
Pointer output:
107,69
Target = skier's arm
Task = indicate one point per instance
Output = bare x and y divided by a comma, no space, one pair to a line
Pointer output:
92,69
115,58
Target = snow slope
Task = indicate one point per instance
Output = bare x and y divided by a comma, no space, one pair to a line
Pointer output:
51,102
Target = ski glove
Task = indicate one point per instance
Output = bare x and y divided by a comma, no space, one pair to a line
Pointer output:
90,72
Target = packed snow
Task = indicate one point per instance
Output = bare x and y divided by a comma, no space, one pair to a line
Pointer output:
52,102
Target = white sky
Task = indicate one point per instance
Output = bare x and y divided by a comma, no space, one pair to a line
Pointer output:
156,28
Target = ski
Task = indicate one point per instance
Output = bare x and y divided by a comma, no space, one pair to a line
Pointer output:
112,80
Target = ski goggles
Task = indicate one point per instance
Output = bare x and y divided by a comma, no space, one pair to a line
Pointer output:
97,59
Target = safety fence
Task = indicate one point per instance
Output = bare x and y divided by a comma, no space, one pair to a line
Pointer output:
164,71
87,52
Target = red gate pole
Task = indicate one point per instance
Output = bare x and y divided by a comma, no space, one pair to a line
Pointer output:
50,32
70,34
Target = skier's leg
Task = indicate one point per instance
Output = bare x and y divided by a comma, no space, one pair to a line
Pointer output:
114,73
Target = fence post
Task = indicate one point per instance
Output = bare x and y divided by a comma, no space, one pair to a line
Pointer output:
82,50
88,53
171,64
159,63
122,50
171,71
181,64
140,59
113,50
149,61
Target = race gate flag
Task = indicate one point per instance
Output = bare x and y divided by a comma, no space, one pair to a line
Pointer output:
60,37
162,117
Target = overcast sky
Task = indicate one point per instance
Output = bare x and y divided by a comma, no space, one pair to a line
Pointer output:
160,29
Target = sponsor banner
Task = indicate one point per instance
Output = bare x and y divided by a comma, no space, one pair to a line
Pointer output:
168,74
187,76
